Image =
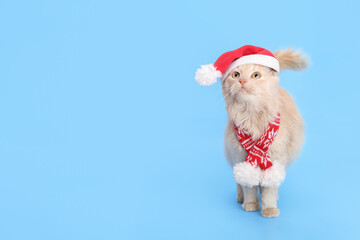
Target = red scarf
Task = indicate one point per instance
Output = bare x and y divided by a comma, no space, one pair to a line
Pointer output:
257,150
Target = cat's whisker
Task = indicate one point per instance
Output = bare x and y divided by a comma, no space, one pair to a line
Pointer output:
224,96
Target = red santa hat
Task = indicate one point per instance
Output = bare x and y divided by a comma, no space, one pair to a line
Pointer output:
208,74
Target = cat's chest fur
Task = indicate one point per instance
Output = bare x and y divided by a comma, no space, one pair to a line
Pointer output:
254,121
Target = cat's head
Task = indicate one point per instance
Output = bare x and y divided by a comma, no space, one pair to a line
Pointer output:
249,74
250,84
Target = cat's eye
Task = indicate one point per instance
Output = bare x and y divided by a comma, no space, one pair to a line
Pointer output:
235,74
256,75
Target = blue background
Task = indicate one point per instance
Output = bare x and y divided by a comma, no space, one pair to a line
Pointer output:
104,134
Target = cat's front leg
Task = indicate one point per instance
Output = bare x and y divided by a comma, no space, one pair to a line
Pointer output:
269,197
251,199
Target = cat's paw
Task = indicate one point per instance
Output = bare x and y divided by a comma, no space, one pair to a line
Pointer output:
251,206
270,212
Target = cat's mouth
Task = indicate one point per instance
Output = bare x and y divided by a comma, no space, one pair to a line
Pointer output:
243,90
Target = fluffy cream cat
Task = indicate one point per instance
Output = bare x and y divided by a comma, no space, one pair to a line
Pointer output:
253,97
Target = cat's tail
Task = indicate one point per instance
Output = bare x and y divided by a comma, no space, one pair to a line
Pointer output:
291,59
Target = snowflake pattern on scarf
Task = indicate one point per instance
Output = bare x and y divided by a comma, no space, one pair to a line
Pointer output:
257,150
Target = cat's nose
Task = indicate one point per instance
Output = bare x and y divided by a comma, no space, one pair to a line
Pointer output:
242,81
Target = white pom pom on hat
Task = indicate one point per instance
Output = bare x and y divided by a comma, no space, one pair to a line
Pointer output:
208,74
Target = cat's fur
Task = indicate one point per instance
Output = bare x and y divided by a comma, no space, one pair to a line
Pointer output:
252,108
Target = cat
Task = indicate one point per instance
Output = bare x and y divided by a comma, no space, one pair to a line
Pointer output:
253,97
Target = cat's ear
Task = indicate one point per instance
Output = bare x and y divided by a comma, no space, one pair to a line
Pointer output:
273,72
